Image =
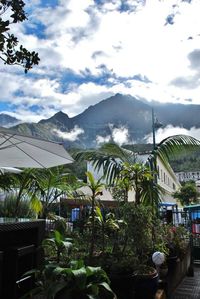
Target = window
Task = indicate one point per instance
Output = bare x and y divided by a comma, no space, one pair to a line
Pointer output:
158,171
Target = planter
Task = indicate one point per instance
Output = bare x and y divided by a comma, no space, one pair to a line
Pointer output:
163,271
122,285
171,262
145,285
177,270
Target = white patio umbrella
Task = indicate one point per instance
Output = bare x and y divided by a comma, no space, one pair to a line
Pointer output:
17,150
10,169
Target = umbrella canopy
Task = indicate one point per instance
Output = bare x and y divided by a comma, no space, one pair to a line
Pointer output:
10,169
18,150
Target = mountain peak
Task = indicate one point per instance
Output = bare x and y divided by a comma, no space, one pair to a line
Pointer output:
60,114
60,117
119,113
7,120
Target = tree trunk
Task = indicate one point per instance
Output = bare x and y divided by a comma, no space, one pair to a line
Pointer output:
91,253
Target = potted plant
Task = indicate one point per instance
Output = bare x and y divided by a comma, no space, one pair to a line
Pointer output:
72,282
137,242
57,248
163,270
177,240
121,275
145,282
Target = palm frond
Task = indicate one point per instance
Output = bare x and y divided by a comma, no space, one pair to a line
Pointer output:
173,146
109,158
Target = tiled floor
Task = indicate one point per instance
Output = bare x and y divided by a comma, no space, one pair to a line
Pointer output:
189,287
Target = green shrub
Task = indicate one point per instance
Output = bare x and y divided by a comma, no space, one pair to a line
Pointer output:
8,208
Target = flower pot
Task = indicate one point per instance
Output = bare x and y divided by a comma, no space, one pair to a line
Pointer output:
163,271
122,285
145,285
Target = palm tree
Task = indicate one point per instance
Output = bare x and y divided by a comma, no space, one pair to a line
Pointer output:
174,145
139,175
6,181
23,184
51,184
111,157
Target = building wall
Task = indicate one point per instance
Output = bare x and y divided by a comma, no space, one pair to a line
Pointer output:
168,181
198,185
185,176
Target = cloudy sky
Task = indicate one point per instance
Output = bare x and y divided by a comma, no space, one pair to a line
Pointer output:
92,49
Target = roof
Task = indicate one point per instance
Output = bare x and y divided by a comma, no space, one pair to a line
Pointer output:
192,207
168,204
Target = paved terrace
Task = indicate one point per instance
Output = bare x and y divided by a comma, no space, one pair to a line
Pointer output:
189,288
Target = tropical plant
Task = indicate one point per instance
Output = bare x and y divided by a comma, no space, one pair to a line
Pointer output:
72,282
140,221
187,194
177,240
6,181
174,145
139,177
8,208
109,225
110,157
23,186
59,223
119,166
57,246
51,184
96,188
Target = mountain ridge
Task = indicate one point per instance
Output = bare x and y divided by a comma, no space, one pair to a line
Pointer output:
116,112
7,120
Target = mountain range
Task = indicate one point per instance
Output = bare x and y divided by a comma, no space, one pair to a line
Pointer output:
8,121
109,117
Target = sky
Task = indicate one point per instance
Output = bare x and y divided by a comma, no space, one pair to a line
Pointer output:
93,49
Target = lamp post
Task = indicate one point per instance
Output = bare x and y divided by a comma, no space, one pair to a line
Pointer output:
154,146
153,130
155,125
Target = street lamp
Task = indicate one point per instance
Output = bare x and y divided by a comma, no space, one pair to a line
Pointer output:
153,161
153,130
155,125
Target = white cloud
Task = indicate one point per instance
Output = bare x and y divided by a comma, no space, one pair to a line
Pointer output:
169,130
102,139
71,135
120,135
91,42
